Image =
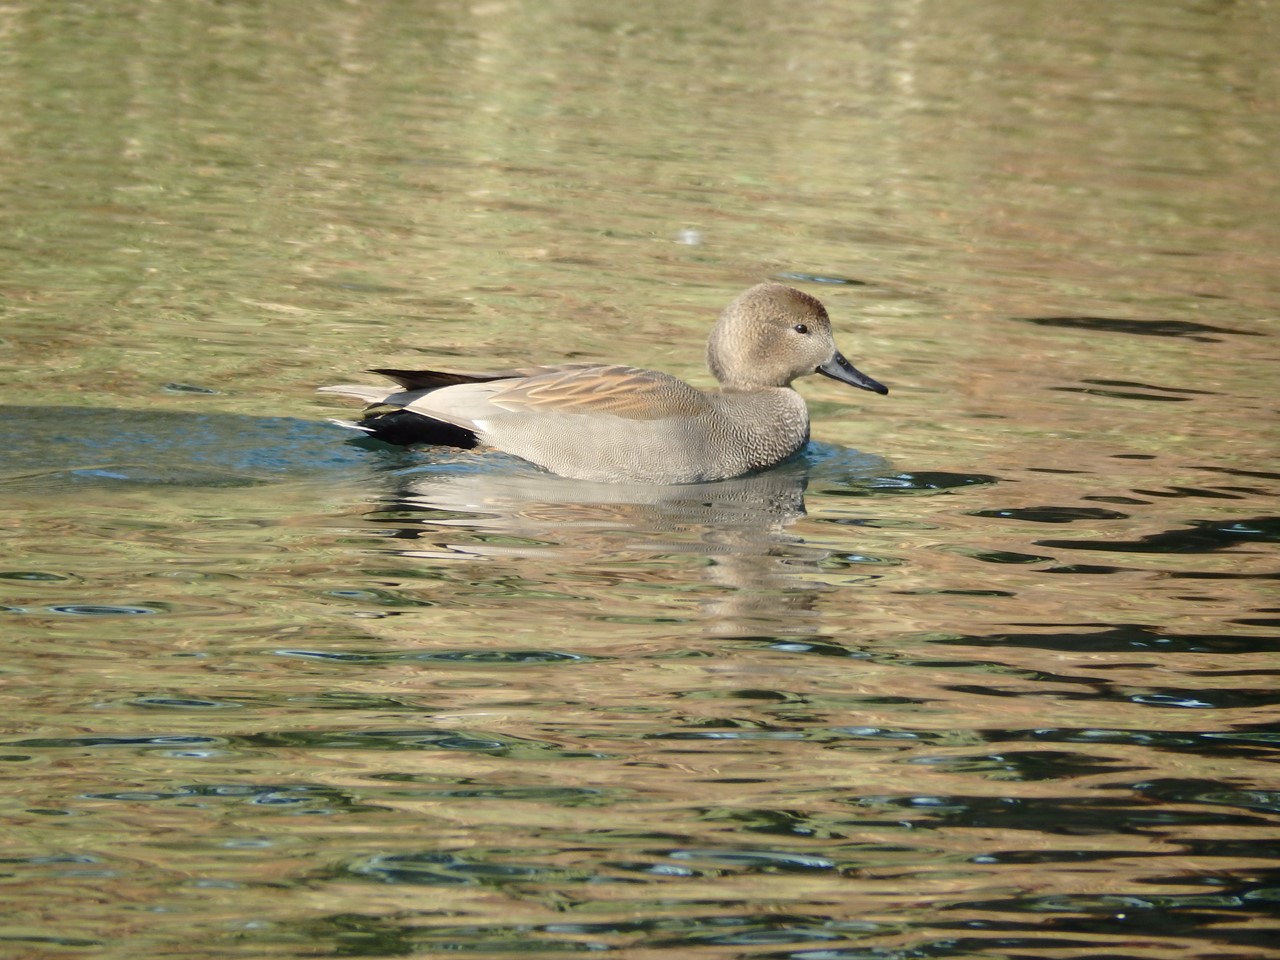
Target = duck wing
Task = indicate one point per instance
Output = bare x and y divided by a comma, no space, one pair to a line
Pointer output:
631,393
417,384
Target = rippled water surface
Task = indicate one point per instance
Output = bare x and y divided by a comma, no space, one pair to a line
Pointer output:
991,670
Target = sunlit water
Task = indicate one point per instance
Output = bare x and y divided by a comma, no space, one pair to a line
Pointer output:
990,670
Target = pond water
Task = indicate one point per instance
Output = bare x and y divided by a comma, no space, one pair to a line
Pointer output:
991,670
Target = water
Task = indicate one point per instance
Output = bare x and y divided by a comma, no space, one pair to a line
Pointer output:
989,671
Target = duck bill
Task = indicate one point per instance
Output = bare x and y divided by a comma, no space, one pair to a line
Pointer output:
838,368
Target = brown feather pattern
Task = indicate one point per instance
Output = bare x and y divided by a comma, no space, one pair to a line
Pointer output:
628,392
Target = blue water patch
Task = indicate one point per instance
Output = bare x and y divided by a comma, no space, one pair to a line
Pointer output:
75,445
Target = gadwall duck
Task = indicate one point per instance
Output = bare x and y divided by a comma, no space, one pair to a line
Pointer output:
613,423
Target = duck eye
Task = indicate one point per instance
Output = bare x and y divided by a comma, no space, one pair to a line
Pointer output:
800,328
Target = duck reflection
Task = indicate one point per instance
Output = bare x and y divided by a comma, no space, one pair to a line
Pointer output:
726,547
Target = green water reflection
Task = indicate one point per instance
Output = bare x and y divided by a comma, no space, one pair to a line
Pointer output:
990,671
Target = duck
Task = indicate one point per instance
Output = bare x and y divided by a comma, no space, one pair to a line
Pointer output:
612,423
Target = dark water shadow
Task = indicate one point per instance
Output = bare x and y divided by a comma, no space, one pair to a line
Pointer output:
1202,332
71,448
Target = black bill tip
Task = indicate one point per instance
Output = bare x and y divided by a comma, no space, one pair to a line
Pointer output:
838,368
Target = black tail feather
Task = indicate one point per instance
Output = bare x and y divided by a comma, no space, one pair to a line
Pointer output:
405,429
